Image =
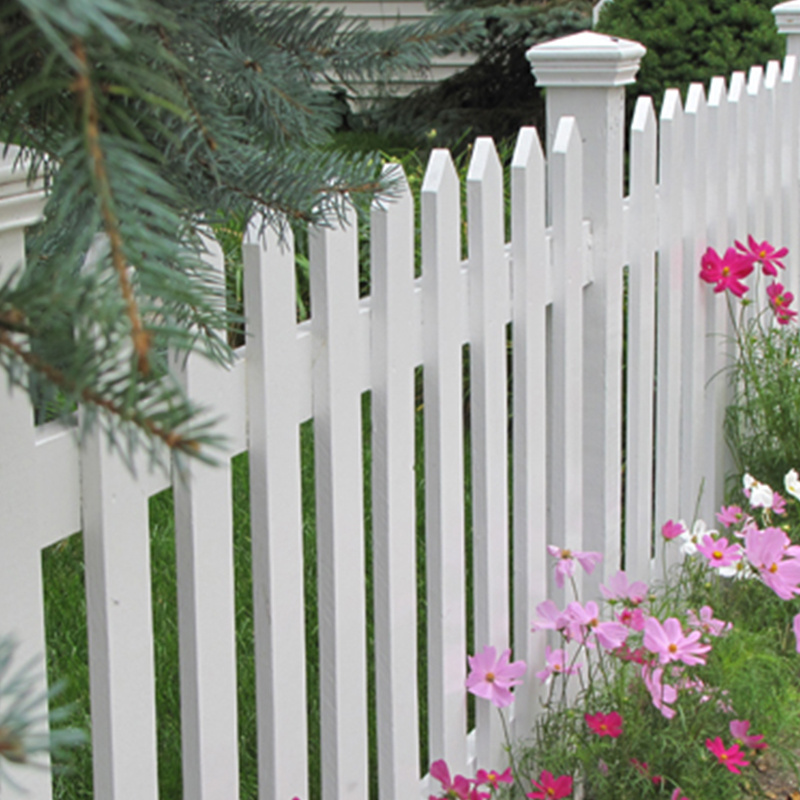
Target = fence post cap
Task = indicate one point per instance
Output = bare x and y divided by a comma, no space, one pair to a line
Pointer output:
586,59
787,16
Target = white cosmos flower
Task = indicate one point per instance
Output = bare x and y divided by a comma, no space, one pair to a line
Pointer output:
792,483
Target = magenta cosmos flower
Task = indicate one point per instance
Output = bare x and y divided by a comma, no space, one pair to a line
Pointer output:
457,788
668,642
672,530
726,271
763,253
550,787
492,677
605,724
731,757
493,778
780,300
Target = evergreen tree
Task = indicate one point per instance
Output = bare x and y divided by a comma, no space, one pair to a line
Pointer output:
150,121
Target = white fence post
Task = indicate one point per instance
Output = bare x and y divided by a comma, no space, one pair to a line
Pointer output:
21,595
787,19
585,75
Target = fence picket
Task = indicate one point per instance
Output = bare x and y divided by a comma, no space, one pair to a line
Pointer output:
276,511
119,615
488,302
393,496
444,459
529,327
772,152
206,607
694,493
717,321
340,519
669,283
641,341
754,146
565,442
789,109
737,156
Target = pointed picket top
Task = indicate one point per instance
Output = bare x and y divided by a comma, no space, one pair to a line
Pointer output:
671,107
772,74
755,77
586,59
695,98
717,92
644,115
736,88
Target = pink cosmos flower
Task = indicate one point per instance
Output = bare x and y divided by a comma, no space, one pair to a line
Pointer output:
492,678
731,758
565,567
668,642
730,515
556,662
605,724
726,271
706,622
457,788
763,253
778,504
585,620
662,694
739,730
550,618
671,530
770,552
619,589
718,552
550,787
780,299
677,795
492,778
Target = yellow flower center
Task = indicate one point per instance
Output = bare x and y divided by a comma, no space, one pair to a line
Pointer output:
717,554
490,677
726,271
773,568
672,647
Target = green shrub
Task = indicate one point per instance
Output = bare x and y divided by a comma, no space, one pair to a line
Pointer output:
693,40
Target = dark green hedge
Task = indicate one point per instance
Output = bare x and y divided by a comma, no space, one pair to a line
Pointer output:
693,40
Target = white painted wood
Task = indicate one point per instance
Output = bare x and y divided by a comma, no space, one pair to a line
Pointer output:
670,281
772,152
206,605
21,591
488,304
394,530
565,401
340,519
737,156
116,540
790,149
695,299
529,422
755,161
641,341
276,524
444,459
717,321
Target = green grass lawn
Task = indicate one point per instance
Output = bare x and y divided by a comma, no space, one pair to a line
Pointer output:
65,609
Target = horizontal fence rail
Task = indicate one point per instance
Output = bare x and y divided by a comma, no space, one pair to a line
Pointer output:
497,364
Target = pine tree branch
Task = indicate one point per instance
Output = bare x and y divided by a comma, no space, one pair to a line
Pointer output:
170,437
83,89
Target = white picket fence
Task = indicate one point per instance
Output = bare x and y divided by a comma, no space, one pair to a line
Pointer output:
727,165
